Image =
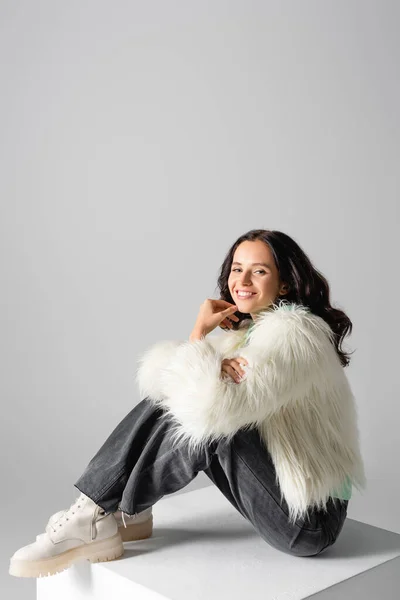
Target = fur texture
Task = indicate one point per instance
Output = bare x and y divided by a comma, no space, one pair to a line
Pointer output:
295,392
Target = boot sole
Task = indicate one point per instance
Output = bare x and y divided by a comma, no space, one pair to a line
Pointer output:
137,531
102,551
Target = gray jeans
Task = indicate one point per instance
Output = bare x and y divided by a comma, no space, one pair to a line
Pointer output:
137,465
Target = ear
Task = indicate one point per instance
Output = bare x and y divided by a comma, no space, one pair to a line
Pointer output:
284,290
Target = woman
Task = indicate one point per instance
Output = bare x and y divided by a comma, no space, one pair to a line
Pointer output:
264,409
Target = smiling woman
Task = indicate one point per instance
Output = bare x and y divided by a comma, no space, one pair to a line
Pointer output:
279,442
293,390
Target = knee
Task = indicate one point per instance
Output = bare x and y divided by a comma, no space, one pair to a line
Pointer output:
313,545
294,549
307,543
305,552
297,542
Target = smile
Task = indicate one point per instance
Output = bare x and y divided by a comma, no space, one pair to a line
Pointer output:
245,296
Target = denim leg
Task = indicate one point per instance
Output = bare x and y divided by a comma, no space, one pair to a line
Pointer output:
244,472
138,464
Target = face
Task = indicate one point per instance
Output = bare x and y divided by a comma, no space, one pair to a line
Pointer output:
261,279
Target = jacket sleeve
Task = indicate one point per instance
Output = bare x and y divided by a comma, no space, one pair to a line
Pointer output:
157,357
149,367
281,370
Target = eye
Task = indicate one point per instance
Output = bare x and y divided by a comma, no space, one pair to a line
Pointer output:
258,270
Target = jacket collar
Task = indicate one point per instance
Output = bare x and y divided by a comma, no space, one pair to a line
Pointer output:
275,313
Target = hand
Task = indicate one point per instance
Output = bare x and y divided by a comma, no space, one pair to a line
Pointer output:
212,313
232,367
227,322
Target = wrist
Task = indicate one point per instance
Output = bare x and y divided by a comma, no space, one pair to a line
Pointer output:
197,334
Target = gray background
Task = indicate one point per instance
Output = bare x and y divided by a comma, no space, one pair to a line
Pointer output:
138,140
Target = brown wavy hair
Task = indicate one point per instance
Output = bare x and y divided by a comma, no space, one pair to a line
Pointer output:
306,285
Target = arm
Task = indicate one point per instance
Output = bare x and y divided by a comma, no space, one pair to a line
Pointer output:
150,363
292,356
153,360
156,359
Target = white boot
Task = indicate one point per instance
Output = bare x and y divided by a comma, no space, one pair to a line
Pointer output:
84,531
131,527
135,527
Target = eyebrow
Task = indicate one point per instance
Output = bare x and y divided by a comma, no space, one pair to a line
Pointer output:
253,264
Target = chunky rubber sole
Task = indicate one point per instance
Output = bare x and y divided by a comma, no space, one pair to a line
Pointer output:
137,531
102,551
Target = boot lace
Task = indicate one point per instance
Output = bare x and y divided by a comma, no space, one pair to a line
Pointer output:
76,505
123,516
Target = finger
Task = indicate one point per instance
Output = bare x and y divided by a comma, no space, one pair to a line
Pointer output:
226,368
231,371
233,318
227,322
230,310
234,364
238,368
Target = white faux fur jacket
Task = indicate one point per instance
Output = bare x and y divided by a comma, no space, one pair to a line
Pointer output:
295,392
